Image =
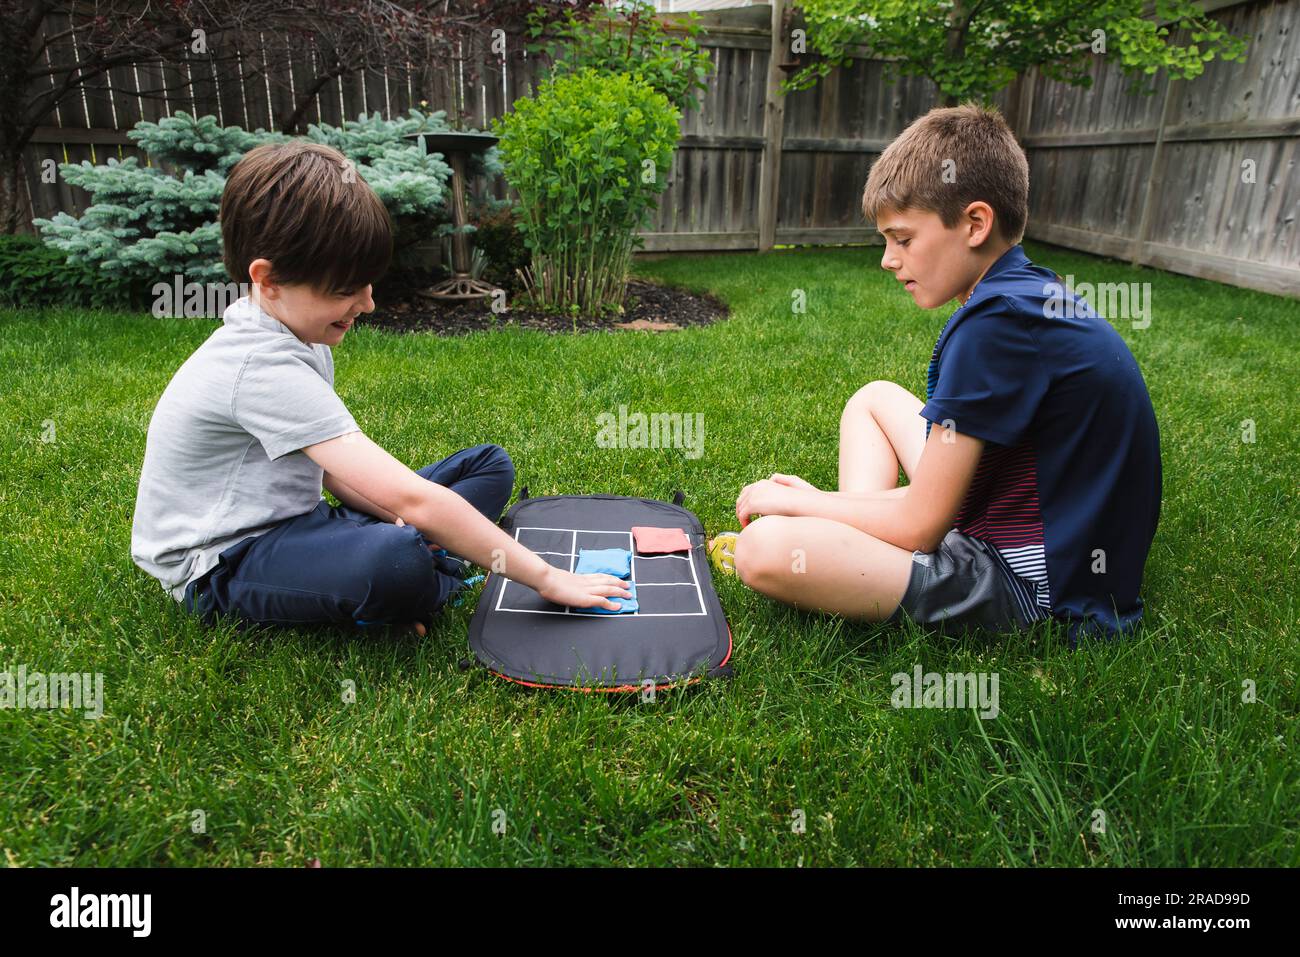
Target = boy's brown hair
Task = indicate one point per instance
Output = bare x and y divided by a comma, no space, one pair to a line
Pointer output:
987,164
303,206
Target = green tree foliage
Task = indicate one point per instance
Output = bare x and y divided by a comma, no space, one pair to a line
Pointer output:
970,49
635,41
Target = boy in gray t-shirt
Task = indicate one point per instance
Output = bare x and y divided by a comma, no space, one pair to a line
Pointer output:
224,458
229,514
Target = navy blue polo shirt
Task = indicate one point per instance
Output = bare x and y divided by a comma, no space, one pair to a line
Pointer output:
1067,490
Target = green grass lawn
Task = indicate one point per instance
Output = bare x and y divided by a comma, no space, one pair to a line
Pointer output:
251,728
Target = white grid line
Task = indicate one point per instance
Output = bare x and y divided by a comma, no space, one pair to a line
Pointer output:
573,557
699,593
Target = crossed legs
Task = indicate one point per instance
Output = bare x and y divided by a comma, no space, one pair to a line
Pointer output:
342,566
817,564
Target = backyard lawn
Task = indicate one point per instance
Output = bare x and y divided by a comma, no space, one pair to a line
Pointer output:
1134,753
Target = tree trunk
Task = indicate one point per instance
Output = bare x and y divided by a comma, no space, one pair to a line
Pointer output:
20,47
10,187
290,124
954,44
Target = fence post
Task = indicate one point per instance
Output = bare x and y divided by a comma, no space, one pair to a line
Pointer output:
1155,178
773,133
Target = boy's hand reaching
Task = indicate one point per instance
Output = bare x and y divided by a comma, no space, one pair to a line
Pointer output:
582,591
565,588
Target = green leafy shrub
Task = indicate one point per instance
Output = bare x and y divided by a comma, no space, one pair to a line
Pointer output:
589,156
499,234
34,274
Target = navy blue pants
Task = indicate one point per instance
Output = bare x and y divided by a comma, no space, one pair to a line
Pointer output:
337,565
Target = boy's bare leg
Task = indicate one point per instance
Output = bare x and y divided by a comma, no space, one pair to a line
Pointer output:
880,429
816,564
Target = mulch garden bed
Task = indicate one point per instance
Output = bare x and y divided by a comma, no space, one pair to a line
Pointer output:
400,308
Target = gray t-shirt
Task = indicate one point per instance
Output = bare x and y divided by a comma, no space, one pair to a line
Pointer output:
223,458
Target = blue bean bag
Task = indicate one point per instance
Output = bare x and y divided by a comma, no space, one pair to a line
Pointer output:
604,561
626,605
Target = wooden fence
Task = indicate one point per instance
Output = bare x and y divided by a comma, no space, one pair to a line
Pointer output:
1199,178
1156,179
94,126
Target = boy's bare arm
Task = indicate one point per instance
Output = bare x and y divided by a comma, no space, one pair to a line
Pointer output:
887,495
350,497
915,517
443,516
419,502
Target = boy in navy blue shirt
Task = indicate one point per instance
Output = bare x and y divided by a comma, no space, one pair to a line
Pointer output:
1034,461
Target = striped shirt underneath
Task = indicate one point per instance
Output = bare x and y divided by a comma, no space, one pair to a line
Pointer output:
1001,508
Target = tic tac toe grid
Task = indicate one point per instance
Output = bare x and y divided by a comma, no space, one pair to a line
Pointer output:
676,636
666,585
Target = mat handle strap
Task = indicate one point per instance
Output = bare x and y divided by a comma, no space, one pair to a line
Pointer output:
679,497
523,492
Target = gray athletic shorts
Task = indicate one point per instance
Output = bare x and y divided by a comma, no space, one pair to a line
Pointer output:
964,584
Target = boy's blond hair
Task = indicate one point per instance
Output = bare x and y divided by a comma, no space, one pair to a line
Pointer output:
303,206
987,164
